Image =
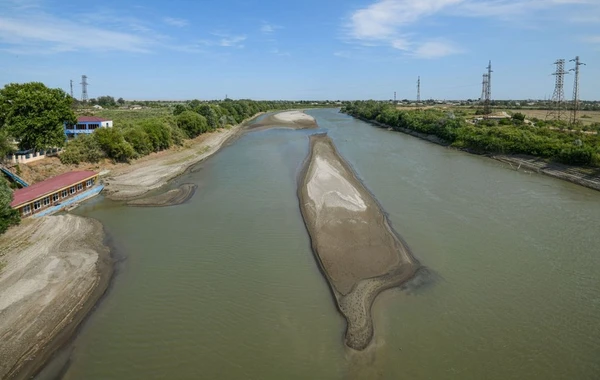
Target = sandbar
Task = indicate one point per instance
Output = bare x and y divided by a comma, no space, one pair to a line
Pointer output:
287,119
173,197
357,250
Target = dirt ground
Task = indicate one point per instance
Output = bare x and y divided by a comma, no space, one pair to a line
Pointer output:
585,117
54,269
356,247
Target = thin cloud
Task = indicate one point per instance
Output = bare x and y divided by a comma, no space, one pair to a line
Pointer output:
269,28
178,22
225,40
393,23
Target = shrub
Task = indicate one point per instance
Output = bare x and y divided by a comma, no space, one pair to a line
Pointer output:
112,142
192,123
84,148
138,139
158,132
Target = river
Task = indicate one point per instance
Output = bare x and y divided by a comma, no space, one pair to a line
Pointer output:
225,286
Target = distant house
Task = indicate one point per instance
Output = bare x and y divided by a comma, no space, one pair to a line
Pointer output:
135,107
87,125
98,107
55,193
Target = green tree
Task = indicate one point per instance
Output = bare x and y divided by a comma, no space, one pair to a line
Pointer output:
35,114
112,142
107,101
121,101
8,215
192,123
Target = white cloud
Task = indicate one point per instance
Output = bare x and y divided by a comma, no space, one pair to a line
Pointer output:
225,40
393,23
436,49
178,22
269,28
51,34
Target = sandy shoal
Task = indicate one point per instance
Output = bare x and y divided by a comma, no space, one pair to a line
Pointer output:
286,119
55,269
357,249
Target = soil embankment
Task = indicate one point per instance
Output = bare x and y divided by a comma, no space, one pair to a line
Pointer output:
54,270
170,198
286,119
357,249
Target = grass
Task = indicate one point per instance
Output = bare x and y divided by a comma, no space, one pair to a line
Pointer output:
122,115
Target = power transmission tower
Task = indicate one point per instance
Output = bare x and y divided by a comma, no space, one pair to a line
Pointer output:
487,105
84,84
72,88
394,97
484,84
418,92
575,90
558,98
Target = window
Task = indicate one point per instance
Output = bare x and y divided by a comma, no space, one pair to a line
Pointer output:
80,126
79,186
65,193
55,197
46,201
72,190
27,210
93,126
89,182
37,205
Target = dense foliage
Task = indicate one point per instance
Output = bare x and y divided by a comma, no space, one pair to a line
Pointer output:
510,136
34,114
8,215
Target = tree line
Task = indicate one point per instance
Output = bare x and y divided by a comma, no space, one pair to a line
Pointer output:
513,136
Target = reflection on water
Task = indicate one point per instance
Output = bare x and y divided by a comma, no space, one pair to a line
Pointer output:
225,286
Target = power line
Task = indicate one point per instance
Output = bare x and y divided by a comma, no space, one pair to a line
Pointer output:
575,90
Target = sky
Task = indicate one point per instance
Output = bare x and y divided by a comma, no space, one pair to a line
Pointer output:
308,49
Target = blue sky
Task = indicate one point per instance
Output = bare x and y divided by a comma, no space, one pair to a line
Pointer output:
327,49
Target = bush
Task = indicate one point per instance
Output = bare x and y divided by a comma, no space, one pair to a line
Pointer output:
8,215
192,123
112,142
159,134
138,139
84,148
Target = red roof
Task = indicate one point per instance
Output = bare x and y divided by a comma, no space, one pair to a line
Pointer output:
87,119
49,186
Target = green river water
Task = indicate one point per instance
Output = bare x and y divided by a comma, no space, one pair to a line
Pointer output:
226,287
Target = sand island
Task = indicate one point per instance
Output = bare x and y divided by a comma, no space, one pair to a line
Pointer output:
357,250
287,119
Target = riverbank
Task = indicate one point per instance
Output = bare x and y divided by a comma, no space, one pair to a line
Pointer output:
171,198
357,249
583,176
54,270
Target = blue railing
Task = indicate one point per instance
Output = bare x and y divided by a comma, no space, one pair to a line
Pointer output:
14,177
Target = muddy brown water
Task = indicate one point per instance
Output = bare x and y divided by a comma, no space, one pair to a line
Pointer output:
225,285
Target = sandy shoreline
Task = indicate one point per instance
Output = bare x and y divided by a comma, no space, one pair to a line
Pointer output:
55,270
170,198
358,251
287,119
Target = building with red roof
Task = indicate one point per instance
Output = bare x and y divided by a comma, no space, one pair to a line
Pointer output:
87,125
52,192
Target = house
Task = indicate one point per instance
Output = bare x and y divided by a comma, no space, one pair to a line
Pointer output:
87,125
98,106
53,194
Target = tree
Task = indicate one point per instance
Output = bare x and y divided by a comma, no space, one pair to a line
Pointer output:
192,123
107,101
8,215
35,114
121,101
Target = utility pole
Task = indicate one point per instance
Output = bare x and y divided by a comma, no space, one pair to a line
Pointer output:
483,88
72,88
418,92
84,92
558,97
575,90
394,97
487,105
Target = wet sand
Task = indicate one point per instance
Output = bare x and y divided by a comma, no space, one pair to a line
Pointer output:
55,270
170,198
357,249
286,119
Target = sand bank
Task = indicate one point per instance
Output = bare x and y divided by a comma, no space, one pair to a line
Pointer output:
55,269
286,119
358,251
170,198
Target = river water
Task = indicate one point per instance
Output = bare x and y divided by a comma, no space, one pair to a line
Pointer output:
225,286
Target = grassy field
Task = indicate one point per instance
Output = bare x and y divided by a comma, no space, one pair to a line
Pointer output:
585,117
121,115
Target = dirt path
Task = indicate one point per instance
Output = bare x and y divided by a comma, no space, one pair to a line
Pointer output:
54,269
357,249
